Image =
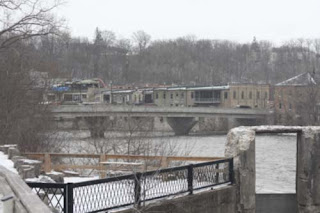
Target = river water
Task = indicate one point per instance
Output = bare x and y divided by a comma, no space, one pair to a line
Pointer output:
275,158
275,155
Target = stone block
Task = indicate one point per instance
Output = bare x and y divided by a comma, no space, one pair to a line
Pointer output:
16,158
56,176
18,162
26,171
35,163
12,151
5,148
70,173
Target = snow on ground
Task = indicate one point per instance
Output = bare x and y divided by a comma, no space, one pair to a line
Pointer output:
5,162
79,179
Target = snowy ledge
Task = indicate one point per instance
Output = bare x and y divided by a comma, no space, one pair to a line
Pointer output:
25,199
279,129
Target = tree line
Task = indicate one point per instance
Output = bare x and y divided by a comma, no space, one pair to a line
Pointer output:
181,61
32,38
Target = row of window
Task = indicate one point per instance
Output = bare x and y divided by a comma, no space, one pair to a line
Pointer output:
242,95
225,95
164,95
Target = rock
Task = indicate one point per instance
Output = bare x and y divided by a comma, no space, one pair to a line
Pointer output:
18,162
6,147
56,176
36,163
26,171
15,158
46,179
13,151
70,173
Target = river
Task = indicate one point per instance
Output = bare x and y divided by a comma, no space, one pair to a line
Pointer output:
275,155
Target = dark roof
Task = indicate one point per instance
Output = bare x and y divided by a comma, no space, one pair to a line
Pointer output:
303,79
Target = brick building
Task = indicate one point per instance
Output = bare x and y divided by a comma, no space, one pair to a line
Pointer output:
296,100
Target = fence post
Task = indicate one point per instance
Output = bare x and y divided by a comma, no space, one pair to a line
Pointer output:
69,200
137,189
164,162
47,162
190,179
231,173
103,168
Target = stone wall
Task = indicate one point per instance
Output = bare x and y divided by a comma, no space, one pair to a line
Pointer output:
241,146
221,200
280,203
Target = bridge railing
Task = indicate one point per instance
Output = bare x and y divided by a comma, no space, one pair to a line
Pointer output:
112,193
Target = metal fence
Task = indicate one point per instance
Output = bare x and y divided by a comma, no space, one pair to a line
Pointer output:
111,193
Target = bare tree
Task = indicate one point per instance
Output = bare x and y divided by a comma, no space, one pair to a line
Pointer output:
23,19
23,119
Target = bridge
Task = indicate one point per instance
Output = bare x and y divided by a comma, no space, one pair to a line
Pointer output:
180,119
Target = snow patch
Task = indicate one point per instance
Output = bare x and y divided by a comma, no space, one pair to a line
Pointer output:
79,179
5,162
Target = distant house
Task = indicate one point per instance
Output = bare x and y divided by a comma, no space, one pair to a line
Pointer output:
75,91
296,100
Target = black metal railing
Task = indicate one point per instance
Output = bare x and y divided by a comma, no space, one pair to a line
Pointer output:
52,194
116,192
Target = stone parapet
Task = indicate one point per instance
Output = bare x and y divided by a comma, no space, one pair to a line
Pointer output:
241,146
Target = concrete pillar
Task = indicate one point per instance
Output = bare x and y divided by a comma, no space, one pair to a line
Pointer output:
241,146
181,126
308,172
96,126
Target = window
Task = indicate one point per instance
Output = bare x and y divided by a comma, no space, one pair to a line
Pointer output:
234,94
157,96
171,96
192,95
250,95
177,94
106,98
164,95
182,95
242,95
76,97
280,105
258,95
290,106
84,96
177,105
225,95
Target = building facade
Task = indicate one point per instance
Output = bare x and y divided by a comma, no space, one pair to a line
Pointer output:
296,101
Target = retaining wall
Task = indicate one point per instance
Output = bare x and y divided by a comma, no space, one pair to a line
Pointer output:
276,203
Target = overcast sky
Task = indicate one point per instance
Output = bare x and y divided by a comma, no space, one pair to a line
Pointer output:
237,20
